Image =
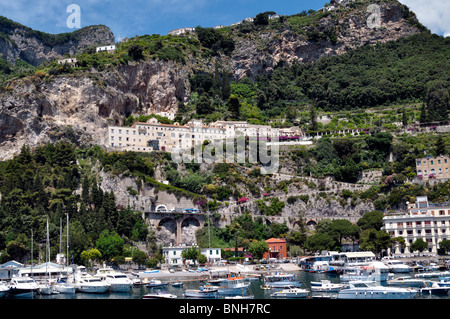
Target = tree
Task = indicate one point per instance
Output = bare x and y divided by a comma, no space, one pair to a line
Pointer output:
444,246
190,254
437,100
88,256
318,242
258,248
419,244
233,106
374,240
371,220
110,244
136,52
140,257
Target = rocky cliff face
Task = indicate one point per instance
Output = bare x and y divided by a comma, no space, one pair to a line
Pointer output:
37,110
34,47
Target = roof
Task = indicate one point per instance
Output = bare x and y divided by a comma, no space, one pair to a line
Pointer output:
276,240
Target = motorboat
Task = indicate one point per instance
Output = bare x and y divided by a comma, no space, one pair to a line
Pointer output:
326,286
406,281
160,295
46,288
177,284
371,271
444,282
4,289
373,290
291,292
233,286
87,283
155,283
396,266
119,281
204,292
23,285
65,288
281,280
433,288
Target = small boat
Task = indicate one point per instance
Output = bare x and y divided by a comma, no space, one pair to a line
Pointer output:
264,287
326,286
178,284
281,280
203,292
396,266
65,288
160,295
292,292
119,281
155,283
373,290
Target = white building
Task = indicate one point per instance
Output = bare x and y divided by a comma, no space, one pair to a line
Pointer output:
71,61
429,221
106,48
172,255
181,31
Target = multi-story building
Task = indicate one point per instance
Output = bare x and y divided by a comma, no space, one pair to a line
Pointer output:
173,254
433,167
425,220
277,248
152,135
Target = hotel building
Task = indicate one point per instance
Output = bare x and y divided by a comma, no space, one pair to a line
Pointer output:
430,167
429,221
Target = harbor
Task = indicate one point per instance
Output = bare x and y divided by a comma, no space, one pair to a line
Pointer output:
276,281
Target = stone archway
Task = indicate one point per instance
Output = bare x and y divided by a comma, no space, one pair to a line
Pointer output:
167,230
311,224
187,227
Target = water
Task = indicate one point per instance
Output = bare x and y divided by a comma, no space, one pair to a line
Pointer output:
137,292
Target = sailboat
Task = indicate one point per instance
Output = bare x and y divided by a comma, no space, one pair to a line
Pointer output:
46,288
62,286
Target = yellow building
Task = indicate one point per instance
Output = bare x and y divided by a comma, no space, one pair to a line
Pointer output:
430,167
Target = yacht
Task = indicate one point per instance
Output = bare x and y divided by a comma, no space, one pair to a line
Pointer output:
433,288
155,283
87,283
406,281
281,280
373,290
119,281
64,287
159,295
371,271
23,285
326,286
291,292
396,266
4,289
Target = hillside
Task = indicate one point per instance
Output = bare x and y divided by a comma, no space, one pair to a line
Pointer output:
322,71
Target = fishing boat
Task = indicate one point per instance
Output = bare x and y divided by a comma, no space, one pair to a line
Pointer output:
281,280
155,283
159,295
373,290
204,292
233,286
326,286
291,292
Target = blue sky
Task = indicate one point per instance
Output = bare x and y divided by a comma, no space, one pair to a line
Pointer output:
139,17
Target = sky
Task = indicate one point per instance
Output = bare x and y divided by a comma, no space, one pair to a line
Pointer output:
139,17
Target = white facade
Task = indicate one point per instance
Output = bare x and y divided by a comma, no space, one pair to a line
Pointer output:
152,135
172,255
425,220
71,61
106,48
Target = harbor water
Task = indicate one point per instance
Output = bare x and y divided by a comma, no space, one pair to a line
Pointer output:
255,290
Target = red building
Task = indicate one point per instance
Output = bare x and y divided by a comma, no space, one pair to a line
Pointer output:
277,248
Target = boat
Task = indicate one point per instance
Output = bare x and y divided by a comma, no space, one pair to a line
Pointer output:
155,283
291,292
23,285
433,288
159,295
204,292
64,287
444,282
281,280
4,289
396,266
233,286
406,281
45,288
371,271
119,281
177,284
87,283
326,286
373,290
